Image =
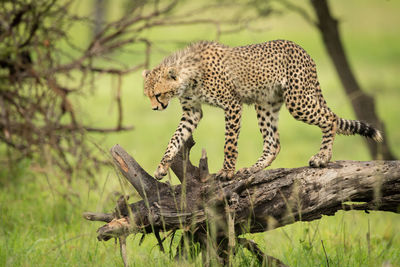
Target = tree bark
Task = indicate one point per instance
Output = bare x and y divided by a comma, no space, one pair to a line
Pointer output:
207,209
362,103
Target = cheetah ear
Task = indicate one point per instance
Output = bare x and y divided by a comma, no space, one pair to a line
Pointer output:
172,73
145,73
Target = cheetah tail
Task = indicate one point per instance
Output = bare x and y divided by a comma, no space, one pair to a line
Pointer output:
350,127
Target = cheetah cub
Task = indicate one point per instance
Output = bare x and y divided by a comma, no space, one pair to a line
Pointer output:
266,75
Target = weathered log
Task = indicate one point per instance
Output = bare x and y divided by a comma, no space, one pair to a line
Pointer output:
255,203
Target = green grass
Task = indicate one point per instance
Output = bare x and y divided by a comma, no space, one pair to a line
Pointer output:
40,227
41,223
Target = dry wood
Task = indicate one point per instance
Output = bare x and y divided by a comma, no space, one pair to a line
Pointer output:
205,208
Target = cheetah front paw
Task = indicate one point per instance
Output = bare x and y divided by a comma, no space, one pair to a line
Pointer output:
319,160
160,172
225,174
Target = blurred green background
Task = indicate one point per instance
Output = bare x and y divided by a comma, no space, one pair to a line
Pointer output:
41,223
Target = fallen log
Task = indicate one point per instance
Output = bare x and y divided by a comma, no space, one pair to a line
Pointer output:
214,213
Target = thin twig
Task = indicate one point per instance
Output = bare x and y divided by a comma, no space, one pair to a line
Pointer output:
160,242
326,255
122,246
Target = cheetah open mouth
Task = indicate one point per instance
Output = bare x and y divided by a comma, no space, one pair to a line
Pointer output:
164,106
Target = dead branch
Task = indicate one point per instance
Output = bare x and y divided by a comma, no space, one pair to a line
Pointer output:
142,181
102,217
256,203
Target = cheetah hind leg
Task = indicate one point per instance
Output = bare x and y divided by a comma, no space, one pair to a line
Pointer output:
322,158
326,120
225,175
267,116
262,163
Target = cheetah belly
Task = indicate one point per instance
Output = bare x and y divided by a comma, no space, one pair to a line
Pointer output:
268,93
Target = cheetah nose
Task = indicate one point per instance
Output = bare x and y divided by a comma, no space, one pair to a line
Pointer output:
155,108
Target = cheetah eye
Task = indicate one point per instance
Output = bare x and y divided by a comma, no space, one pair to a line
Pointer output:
157,95
172,74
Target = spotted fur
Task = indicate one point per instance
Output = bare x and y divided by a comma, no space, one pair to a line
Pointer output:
266,75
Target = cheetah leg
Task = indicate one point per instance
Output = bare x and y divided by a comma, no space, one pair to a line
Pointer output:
190,118
233,116
322,158
267,115
311,111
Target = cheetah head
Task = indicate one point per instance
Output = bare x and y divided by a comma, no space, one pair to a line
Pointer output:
160,85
